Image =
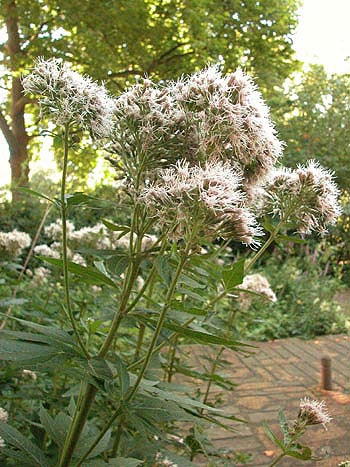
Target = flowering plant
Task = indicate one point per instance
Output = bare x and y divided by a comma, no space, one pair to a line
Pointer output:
198,162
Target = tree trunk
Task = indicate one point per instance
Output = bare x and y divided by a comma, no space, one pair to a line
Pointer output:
15,133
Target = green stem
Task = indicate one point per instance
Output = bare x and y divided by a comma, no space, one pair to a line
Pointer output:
64,244
160,323
148,356
277,459
212,372
118,436
172,359
262,250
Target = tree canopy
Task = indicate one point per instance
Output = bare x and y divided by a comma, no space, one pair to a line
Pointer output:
121,40
316,122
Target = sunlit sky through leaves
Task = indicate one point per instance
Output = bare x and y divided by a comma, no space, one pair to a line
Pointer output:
323,36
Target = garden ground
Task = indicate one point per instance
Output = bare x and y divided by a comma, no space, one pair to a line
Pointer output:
278,374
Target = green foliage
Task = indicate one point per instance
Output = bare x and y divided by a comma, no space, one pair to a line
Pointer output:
315,123
305,305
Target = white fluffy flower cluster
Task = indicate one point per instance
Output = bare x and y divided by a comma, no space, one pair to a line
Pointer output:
257,284
202,117
94,237
3,415
13,243
71,98
3,418
313,412
208,198
307,196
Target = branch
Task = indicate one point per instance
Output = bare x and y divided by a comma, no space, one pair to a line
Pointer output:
22,102
120,74
7,132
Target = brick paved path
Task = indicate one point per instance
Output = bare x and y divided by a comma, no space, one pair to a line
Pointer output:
278,375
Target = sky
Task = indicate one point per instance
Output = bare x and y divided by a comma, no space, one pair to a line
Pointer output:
322,36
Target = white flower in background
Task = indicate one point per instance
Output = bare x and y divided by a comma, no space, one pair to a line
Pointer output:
255,283
71,98
29,374
78,259
207,199
313,412
306,198
54,230
45,250
41,275
3,415
13,243
2,443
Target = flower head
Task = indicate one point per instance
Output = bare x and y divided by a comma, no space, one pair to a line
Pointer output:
258,284
70,97
13,243
230,120
313,412
306,197
3,415
29,374
207,200
199,118
2,443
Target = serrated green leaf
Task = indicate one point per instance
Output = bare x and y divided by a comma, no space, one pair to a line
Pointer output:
78,199
191,294
284,427
50,426
117,263
189,282
37,194
123,375
14,438
273,437
288,238
89,274
98,367
164,269
203,337
304,453
124,462
233,276
52,332
115,227
17,351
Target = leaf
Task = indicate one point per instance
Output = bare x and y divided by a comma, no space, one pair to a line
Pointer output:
164,269
55,333
87,438
288,238
203,337
273,437
115,227
89,274
117,263
284,427
18,351
233,276
124,462
16,439
78,199
123,375
303,453
191,294
50,426
99,368
189,282
37,194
